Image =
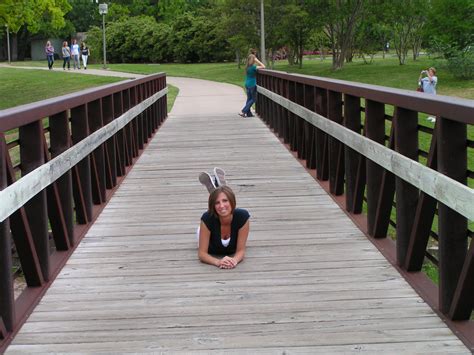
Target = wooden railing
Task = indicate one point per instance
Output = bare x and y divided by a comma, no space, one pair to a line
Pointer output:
409,180
60,161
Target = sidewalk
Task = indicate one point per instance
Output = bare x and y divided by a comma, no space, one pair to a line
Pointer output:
99,72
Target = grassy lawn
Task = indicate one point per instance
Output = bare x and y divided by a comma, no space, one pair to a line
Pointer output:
172,93
25,86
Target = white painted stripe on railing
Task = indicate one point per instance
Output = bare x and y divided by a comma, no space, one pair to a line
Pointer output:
16,195
450,192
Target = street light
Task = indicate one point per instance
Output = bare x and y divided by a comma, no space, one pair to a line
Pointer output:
262,33
103,10
8,43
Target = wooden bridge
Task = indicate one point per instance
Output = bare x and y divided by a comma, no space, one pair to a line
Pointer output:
317,278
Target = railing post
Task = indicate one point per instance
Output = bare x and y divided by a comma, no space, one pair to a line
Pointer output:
141,120
82,184
270,120
60,141
309,103
280,109
322,167
94,110
127,129
452,161
299,122
351,121
286,114
7,298
375,130
32,156
406,142
110,144
292,117
336,150
120,140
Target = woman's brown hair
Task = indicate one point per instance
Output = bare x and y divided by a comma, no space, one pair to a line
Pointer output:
213,198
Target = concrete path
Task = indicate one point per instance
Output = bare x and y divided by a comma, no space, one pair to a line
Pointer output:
311,282
99,72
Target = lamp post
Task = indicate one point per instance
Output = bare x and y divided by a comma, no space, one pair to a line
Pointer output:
103,10
262,33
8,44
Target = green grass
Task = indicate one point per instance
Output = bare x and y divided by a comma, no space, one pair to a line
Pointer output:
172,93
25,86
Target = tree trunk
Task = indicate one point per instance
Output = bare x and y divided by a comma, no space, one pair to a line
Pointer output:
301,49
237,57
291,58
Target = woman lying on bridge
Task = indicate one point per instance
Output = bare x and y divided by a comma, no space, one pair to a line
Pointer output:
224,228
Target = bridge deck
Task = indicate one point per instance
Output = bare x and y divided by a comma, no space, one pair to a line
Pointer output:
311,282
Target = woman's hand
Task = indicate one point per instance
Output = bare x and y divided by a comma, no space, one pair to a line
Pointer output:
227,263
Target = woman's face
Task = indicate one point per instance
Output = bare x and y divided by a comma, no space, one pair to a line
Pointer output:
222,205
431,72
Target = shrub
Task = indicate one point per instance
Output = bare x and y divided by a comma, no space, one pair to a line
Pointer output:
462,65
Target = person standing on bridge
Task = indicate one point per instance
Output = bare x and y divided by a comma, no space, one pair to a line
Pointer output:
224,229
251,83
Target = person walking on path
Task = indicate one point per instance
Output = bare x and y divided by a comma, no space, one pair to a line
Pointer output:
251,83
66,52
75,55
49,50
224,229
428,84
85,52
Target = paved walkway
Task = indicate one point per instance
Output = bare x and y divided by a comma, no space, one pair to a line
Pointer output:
310,283
99,72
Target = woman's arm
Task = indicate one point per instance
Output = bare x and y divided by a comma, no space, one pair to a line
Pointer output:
204,237
260,65
241,245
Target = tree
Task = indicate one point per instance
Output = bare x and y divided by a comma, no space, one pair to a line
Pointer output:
296,26
372,33
240,23
451,26
31,13
341,19
407,18
83,15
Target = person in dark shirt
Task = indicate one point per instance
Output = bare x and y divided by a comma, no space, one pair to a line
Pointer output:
224,230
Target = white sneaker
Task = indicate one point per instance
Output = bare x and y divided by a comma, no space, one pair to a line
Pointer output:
220,176
208,181
431,119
